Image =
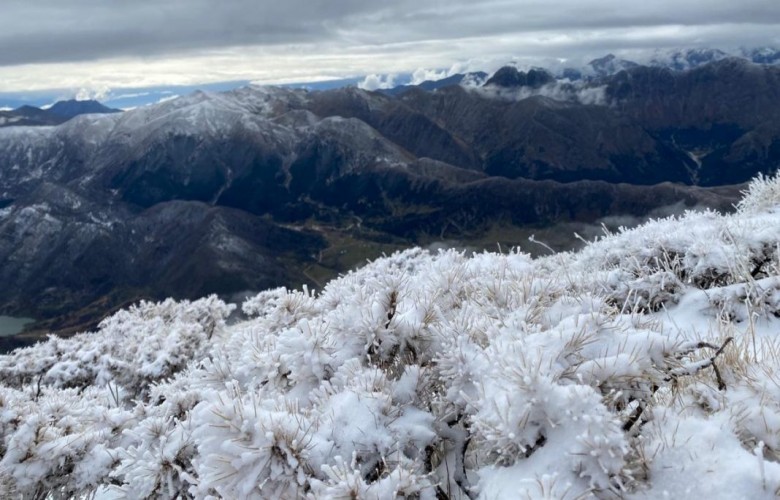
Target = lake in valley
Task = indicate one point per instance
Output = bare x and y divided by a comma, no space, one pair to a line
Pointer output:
11,326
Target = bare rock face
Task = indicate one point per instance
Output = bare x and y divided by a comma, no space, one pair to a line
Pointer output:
509,76
253,188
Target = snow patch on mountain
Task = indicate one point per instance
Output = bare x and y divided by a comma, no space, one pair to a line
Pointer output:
267,113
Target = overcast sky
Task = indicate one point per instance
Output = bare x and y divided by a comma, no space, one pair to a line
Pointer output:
110,44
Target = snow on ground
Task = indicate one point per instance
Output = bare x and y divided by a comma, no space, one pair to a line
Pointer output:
645,366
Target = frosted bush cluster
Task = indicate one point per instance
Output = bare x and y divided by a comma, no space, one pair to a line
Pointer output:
642,366
135,347
763,194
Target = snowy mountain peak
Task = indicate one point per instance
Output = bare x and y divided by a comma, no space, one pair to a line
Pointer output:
73,107
762,55
609,65
685,59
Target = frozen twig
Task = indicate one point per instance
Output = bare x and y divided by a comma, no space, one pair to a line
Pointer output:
693,368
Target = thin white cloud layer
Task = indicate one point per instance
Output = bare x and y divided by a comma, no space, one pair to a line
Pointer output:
168,98
93,43
557,91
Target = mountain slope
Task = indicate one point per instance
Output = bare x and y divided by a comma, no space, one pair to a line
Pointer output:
722,113
58,113
26,116
360,173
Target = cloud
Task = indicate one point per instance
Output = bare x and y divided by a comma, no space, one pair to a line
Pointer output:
562,91
157,42
423,75
97,93
376,82
73,30
167,98
131,95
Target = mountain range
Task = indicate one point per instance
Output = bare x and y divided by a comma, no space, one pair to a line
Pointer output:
610,64
58,113
261,186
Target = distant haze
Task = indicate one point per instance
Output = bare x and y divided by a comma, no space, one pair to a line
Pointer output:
90,46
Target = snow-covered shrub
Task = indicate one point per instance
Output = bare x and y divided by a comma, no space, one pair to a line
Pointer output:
133,348
345,481
59,441
281,306
762,194
253,449
646,293
158,463
744,301
640,367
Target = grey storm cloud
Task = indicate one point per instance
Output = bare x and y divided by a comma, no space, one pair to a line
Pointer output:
73,30
44,31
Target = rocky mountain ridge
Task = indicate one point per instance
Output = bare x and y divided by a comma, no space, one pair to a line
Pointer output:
605,66
228,192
